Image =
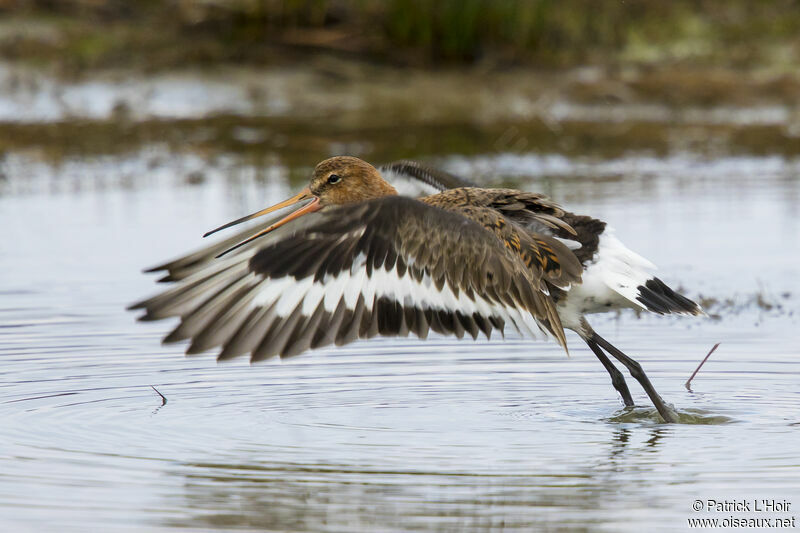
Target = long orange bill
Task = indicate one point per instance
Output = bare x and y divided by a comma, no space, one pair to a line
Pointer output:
305,194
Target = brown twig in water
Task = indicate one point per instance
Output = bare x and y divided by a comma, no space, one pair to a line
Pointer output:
164,398
696,370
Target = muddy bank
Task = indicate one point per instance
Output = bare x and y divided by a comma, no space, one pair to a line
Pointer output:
347,90
306,79
335,106
298,143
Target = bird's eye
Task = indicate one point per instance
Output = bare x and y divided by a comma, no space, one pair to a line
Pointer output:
334,178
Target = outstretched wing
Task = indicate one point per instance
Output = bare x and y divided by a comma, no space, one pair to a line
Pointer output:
197,261
390,266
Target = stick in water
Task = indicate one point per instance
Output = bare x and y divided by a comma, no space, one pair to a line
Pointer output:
696,370
164,398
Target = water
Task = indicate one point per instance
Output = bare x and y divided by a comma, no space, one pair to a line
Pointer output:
388,434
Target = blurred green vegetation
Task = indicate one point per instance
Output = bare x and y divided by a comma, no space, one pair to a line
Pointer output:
498,33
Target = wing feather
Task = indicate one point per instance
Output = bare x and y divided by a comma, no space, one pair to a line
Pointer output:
392,266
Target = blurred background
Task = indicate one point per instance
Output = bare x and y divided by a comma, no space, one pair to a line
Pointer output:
284,83
129,128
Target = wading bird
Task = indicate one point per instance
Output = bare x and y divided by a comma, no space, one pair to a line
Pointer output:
358,260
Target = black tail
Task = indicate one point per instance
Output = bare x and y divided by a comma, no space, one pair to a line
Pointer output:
659,298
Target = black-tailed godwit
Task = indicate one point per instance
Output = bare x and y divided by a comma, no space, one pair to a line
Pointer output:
358,260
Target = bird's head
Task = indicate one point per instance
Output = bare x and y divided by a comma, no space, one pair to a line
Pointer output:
336,181
343,180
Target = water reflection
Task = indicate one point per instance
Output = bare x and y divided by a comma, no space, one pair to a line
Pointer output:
335,497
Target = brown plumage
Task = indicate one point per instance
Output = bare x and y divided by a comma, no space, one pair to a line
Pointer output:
496,210
470,269
458,243
357,260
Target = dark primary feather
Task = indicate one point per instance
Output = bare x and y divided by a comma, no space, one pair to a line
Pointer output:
395,234
182,267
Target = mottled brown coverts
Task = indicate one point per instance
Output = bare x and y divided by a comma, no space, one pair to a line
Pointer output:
546,257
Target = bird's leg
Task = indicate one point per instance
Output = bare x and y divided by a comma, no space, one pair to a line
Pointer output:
637,372
617,379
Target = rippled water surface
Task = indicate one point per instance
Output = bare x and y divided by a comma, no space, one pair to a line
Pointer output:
390,435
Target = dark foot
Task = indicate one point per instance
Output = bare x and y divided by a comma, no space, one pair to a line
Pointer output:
637,372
